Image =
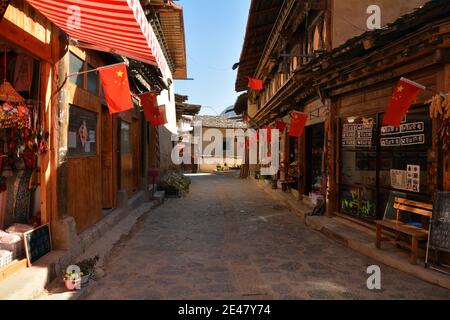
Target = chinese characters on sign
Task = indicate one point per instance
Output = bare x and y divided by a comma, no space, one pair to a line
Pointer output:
404,135
357,135
406,180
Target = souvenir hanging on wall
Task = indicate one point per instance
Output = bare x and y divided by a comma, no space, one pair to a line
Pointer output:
20,134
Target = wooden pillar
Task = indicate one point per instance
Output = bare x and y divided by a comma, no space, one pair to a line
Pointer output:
46,164
333,167
301,166
446,156
60,126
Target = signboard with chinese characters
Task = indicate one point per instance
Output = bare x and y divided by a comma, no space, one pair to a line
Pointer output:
407,134
406,179
413,178
357,135
398,179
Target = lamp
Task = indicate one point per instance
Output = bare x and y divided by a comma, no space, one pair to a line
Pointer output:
351,119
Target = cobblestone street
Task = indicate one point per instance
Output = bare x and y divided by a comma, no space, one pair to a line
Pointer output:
229,240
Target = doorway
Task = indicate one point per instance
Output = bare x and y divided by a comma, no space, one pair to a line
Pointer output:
315,136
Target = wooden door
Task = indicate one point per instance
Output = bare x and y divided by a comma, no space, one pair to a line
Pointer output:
126,158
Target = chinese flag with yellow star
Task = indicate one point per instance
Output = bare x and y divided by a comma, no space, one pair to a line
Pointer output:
405,93
116,88
298,123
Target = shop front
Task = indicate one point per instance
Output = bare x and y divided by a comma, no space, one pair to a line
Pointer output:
25,137
377,161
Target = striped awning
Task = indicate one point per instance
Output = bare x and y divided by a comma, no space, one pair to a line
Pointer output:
118,26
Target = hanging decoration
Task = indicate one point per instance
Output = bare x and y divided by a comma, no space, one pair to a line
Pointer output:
280,125
116,87
298,123
440,109
21,136
255,84
403,97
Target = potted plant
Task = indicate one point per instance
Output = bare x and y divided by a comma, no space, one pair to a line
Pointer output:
72,280
87,268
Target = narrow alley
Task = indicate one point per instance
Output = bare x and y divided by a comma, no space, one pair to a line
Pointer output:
207,246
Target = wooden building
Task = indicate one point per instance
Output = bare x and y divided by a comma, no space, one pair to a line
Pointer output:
300,31
50,173
346,155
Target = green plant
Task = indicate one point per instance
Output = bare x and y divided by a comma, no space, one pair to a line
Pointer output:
367,208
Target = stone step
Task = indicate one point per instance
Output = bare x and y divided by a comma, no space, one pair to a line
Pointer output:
31,283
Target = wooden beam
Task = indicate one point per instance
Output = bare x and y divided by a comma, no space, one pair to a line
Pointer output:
13,34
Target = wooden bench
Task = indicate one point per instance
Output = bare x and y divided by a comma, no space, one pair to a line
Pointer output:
414,207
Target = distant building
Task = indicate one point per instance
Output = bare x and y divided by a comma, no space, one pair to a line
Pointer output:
208,162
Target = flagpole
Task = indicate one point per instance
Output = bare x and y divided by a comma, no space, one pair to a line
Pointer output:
93,70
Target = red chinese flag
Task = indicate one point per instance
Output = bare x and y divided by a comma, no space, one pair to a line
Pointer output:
162,120
405,93
116,88
255,84
150,105
298,123
268,134
280,125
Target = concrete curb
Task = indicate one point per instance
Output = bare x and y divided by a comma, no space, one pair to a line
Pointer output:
358,240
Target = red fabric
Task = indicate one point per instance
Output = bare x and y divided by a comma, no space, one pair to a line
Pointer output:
405,93
245,119
268,134
280,125
116,88
155,114
118,25
162,120
255,84
298,123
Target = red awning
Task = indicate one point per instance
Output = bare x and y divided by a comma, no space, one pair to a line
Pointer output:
118,26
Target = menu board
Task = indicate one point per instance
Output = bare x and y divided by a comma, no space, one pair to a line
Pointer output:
406,179
407,134
440,223
357,135
37,243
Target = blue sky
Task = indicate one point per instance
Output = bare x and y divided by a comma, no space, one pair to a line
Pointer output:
215,32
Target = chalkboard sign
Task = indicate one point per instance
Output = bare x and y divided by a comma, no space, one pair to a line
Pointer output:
38,243
440,223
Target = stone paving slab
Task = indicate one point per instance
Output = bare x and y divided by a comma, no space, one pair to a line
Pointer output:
228,240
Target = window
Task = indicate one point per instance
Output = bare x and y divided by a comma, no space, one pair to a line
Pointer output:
93,80
377,160
76,65
82,135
